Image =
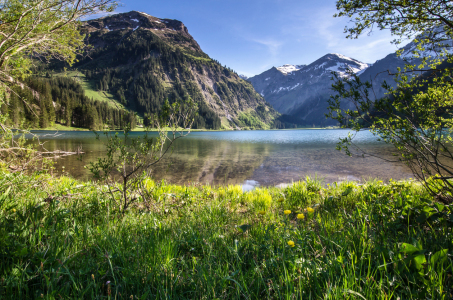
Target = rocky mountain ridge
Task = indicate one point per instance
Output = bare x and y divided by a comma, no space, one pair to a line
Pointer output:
290,87
142,60
303,91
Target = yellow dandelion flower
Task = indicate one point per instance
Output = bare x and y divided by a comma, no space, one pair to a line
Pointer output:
14,210
310,210
281,199
262,212
287,212
300,216
291,243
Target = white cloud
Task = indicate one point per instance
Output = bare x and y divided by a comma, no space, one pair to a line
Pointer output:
272,45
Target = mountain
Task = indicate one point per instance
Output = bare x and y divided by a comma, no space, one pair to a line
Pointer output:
383,69
302,90
138,61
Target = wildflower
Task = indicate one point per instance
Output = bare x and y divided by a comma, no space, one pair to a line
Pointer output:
300,216
92,276
14,210
281,199
291,243
262,212
310,210
287,212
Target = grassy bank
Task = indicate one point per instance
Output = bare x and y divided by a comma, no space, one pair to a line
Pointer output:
61,239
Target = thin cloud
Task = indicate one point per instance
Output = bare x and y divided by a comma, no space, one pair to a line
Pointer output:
272,45
367,48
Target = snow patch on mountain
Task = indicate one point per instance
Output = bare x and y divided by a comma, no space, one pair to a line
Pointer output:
144,14
342,68
444,45
289,88
288,69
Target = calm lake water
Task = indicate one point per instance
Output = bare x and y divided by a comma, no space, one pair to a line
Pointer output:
244,157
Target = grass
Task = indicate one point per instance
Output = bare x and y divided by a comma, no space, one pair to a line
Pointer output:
90,90
61,127
63,239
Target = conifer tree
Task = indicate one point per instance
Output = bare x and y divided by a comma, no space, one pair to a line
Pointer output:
43,117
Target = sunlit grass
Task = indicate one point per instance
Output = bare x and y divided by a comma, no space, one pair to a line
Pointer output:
61,238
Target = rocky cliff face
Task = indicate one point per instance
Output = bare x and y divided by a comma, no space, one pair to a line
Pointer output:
142,60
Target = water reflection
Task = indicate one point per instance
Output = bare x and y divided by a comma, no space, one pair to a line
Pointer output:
258,157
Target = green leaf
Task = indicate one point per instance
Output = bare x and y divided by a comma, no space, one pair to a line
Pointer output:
22,252
244,227
440,207
408,248
347,191
419,260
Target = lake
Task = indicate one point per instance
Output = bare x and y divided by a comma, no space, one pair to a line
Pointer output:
249,158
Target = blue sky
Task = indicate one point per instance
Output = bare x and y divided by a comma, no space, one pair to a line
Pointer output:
251,36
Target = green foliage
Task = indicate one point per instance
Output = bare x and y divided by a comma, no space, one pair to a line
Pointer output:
402,17
61,100
46,29
62,238
251,121
415,117
131,158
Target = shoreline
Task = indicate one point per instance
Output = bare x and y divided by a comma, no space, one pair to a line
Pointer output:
192,130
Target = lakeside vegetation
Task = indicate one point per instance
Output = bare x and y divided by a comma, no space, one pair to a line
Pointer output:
64,238
139,239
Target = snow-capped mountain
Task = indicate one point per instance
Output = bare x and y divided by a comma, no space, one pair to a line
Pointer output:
290,87
302,91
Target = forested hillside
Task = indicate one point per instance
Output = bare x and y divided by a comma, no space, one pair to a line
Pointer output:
45,102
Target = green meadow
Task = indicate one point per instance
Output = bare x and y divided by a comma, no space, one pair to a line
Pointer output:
64,239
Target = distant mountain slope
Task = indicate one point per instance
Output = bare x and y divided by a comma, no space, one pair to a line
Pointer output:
141,60
302,91
304,88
